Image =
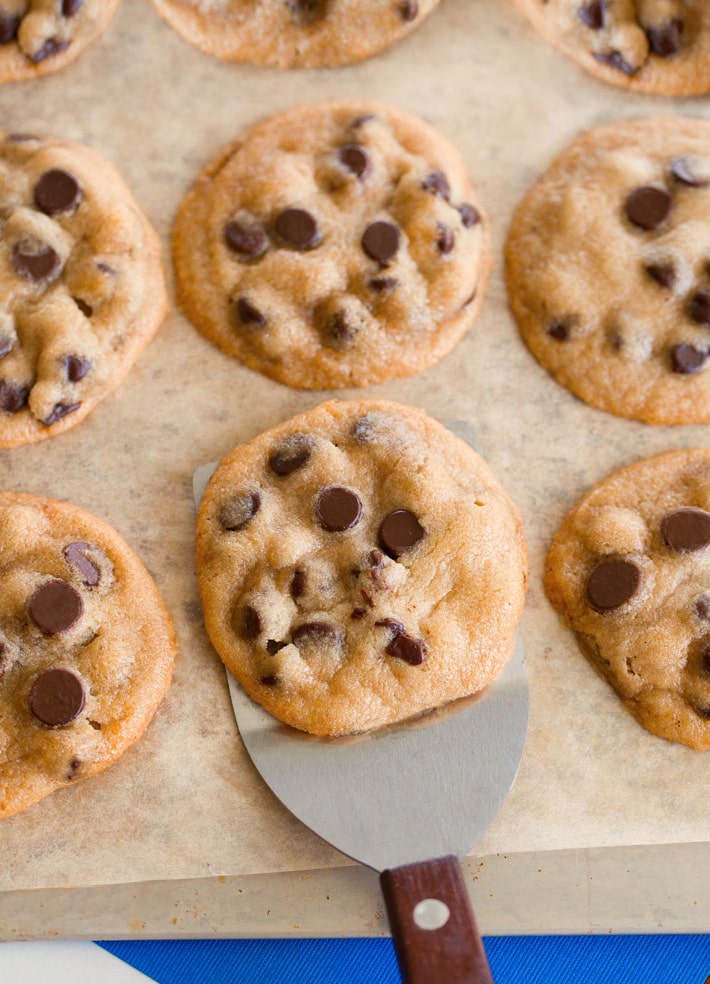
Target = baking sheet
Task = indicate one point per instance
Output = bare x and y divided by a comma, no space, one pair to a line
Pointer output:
185,801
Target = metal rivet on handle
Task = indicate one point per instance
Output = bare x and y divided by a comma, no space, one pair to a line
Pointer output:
431,914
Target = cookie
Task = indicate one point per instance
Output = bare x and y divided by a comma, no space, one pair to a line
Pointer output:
629,572
608,269
337,244
82,283
359,565
655,46
41,36
86,648
294,33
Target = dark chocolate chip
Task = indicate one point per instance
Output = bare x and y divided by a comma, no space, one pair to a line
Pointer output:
6,344
56,697
358,613
289,458
686,359
380,241
446,240
77,556
50,48
662,273
558,330
70,7
394,626
407,648
686,529
666,39
274,646
248,314
76,367
614,59
399,531
246,238
308,11
239,510
55,606
702,607
86,309
297,228
377,562
270,680
470,216
356,159
438,184
13,397
57,191
314,632
340,332
298,584
408,10
251,625
9,25
39,265
682,170
59,411
647,208
592,14
612,583
338,509
699,307
384,285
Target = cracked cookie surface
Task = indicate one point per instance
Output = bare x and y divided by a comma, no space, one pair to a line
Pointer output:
81,282
86,648
338,244
359,565
655,46
629,572
608,269
41,36
294,33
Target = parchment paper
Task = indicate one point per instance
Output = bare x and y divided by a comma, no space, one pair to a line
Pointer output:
185,801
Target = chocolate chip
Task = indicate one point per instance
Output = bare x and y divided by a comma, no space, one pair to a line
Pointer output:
314,632
392,624
56,697
9,26
399,531
612,583
682,170
438,184
358,613
308,11
57,191
446,240
699,307
248,314
662,273
86,309
470,216
39,265
702,607
384,285
13,397
686,359
647,208
407,648
76,367
686,529
289,458
408,10
76,555
340,332
274,646
248,238
59,411
297,228
298,584
363,429
338,509
250,625
356,159
592,14
666,39
6,344
380,241
270,680
73,771
50,48
558,330
70,7
238,511
55,606
614,59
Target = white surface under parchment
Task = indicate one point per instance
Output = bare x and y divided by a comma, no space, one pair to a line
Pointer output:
185,801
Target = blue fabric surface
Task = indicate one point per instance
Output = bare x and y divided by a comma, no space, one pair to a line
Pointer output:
513,960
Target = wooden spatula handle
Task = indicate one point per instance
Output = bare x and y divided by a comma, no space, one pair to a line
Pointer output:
434,947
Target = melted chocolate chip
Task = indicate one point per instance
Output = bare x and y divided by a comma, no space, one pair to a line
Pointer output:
13,397
55,606
76,367
647,208
39,265
251,624
612,583
686,529
59,411
50,48
9,26
308,11
438,184
407,648
297,228
77,556
86,309
662,273
380,241
270,680
249,239
702,607
56,697
238,511
274,646
399,531
248,314
592,14
699,307
408,10
687,359
666,39
310,633
288,459
338,509
356,613
384,285
614,59
446,241
356,159
298,584
394,626
57,191
559,330
470,216
682,170
70,7
340,332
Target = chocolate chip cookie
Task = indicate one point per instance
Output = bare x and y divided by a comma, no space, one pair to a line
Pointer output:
358,565
40,36
82,285
629,572
86,648
608,269
337,244
659,46
294,33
